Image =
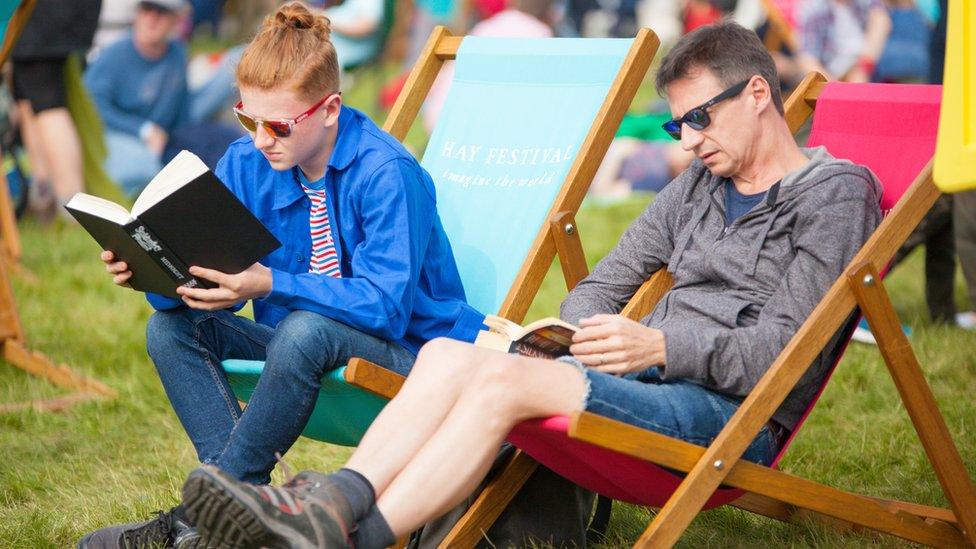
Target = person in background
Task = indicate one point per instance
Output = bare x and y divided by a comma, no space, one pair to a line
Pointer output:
55,29
520,19
905,57
357,28
139,85
841,38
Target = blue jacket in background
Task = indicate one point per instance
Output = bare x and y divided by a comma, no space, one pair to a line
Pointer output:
399,280
130,90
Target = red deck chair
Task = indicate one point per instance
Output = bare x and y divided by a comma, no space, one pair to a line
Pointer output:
891,129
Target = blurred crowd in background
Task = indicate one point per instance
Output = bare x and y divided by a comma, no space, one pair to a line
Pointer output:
104,92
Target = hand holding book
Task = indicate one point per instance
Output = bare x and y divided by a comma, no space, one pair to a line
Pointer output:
608,343
251,283
618,345
184,217
546,338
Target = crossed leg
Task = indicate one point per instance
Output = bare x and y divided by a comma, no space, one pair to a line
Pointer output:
438,437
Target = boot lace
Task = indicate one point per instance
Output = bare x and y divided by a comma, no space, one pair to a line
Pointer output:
155,533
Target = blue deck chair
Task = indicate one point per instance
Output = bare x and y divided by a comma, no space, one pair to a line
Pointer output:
522,131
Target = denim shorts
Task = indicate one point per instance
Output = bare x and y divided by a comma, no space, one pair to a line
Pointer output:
676,408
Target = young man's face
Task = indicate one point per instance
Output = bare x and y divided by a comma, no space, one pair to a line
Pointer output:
726,144
306,146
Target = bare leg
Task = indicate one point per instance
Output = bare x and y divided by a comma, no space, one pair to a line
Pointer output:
32,141
442,369
450,459
61,148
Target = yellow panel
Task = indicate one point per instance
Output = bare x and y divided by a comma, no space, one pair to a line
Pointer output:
955,155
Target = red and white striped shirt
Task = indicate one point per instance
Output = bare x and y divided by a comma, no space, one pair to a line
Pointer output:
324,259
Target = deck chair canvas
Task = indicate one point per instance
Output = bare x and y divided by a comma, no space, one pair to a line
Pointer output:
520,136
955,158
628,463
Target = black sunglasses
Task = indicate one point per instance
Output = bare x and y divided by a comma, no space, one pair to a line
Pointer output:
698,117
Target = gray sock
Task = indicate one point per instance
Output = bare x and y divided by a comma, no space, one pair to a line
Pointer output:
357,490
373,532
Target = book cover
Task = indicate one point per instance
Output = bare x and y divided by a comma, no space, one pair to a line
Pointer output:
184,217
546,338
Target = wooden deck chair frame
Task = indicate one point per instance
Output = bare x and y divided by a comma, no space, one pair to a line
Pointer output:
781,495
560,235
9,235
778,31
12,336
778,494
771,492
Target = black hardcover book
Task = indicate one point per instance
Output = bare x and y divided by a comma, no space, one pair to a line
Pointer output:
184,217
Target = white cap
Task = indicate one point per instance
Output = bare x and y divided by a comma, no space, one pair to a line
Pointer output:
169,5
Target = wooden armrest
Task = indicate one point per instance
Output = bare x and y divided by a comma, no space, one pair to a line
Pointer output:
373,378
565,235
648,295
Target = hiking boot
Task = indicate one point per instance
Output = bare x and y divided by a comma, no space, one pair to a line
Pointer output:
164,530
306,512
190,539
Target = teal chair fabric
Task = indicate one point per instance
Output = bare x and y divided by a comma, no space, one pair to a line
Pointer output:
7,9
515,118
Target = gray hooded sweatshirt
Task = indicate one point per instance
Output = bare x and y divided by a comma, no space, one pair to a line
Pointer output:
740,292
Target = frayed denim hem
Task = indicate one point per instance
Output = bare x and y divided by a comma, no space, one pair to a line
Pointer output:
573,361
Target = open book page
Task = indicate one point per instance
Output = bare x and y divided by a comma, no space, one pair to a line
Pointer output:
545,338
185,167
99,207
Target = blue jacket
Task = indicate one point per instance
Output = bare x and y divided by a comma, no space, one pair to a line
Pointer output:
130,90
399,280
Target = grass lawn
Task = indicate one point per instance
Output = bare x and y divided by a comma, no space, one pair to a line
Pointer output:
64,474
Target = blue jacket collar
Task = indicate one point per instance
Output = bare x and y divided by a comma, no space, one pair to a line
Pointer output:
347,141
347,145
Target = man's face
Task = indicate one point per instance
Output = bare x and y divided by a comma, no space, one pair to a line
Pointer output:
153,25
308,137
726,144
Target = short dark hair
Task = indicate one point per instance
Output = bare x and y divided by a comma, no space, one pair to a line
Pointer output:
728,50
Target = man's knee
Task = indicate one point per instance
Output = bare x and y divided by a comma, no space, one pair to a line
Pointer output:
496,382
165,328
304,337
305,329
445,356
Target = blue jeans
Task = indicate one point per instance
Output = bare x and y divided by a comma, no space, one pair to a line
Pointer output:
187,346
676,408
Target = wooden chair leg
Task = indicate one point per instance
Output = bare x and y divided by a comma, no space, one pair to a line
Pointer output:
785,512
909,521
917,397
39,365
9,234
16,353
488,506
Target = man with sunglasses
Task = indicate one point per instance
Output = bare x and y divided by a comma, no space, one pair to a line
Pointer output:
754,232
